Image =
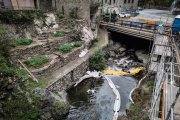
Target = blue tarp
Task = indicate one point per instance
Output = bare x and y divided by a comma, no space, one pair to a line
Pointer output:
176,25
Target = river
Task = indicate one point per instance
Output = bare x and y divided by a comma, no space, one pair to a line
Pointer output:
99,105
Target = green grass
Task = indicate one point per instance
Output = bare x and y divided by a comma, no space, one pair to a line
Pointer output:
58,34
78,43
135,108
23,41
36,61
32,84
66,48
68,26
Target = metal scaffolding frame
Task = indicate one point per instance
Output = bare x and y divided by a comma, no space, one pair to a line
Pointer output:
164,92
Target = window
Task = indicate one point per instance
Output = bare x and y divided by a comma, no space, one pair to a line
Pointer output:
132,1
125,1
129,1
2,4
114,1
105,1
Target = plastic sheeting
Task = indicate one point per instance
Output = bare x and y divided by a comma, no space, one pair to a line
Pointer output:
121,73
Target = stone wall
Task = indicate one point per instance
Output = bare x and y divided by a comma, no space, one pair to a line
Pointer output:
71,78
25,52
67,5
58,62
38,48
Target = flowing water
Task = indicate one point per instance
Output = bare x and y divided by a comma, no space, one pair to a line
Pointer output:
98,105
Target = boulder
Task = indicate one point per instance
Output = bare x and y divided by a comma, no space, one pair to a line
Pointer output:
38,23
50,19
28,35
39,31
87,35
45,29
122,49
56,26
142,56
117,46
112,54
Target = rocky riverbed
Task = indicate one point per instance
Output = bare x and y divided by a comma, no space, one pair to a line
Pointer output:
122,58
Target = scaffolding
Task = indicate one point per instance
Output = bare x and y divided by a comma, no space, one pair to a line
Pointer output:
164,62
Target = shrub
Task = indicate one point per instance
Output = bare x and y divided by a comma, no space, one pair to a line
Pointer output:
74,13
93,42
20,17
23,41
60,15
58,34
77,43
5,41
19,108
66,48
98,61
68,26
32,84
135,108
36,61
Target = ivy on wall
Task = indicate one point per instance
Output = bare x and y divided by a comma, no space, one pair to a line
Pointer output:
19,16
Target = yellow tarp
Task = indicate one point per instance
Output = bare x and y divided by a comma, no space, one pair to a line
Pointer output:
115,72
135,71
121,73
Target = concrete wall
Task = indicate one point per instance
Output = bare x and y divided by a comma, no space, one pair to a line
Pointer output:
6,4
23,4
68,5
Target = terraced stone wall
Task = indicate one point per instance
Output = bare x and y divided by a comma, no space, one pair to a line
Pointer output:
71,78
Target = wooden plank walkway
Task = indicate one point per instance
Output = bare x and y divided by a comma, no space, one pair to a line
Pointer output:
160,47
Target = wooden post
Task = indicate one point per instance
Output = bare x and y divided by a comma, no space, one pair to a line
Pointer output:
163,100
33,77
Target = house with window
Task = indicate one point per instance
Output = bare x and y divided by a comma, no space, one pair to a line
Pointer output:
120,5
27,4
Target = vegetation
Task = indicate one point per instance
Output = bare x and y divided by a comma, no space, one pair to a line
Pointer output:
62,106
5,41
19,108
78,43
68,26
20,17
32,84
94,42
23,41
67,48
98,61
74,13
160,3
141,97
58,34
36,61
60,15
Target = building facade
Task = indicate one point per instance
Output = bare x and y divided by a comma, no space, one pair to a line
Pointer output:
82,6
27,4
121,4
